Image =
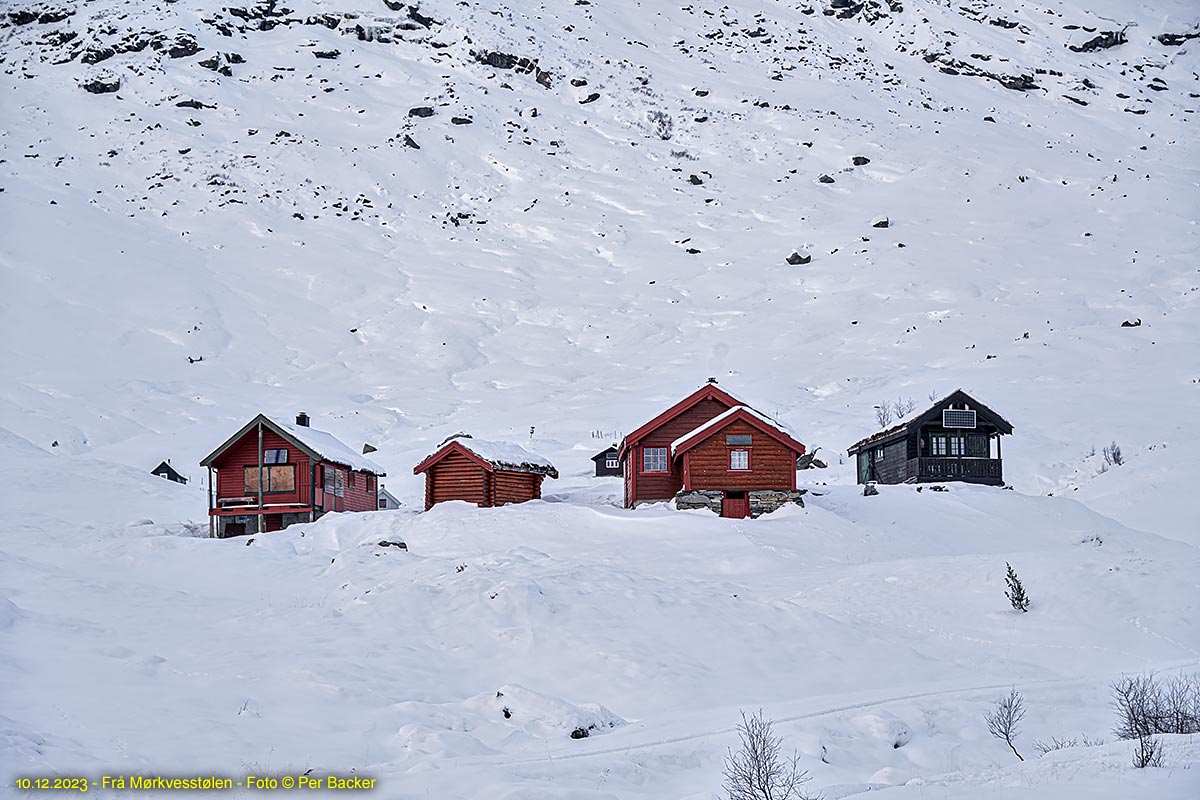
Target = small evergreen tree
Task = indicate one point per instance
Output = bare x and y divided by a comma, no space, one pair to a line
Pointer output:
1015,592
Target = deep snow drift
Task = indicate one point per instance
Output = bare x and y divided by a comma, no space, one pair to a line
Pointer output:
381,215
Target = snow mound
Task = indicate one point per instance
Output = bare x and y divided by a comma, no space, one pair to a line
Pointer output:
544,716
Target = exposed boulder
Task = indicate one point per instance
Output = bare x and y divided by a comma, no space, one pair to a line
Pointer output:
796,259
184,45
421,111
882,222
1102,41
860,161
101,84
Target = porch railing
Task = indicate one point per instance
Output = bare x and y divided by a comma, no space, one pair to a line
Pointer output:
950,467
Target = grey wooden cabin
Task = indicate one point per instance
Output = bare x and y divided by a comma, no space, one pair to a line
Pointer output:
607,462
958,439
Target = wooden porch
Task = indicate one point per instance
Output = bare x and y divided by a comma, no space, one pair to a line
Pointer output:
956,468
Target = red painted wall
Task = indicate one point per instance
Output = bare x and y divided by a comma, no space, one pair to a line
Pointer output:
244,453
645,486
772,464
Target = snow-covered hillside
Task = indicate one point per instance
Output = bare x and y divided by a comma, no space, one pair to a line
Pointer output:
546,222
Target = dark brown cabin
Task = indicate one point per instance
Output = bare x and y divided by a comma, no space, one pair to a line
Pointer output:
482,472
608,461
957,439
273,474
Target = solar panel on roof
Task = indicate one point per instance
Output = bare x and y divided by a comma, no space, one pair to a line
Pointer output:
958,418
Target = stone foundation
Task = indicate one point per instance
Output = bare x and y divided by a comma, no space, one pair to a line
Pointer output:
761,502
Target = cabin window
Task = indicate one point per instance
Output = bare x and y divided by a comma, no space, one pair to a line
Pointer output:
739,459
279,456
879,454
737,440
383,502
275,479
610,461
941,444
335,482
654,459
352,480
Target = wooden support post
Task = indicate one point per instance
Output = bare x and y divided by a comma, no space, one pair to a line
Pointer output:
212,534
261,521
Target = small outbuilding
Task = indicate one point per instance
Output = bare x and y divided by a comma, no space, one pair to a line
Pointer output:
608,461
387,500
956,439
482,472
165,470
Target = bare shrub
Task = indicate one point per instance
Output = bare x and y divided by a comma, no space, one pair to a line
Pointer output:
1146,706
1148,753
661,124
1004,717
883,414
1112,455
1056,743
758,771
903,407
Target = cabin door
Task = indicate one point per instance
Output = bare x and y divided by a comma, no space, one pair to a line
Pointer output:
736,505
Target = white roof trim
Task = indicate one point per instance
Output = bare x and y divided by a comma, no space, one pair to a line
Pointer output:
717,420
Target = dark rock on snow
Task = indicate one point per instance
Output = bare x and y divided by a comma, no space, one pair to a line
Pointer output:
1103,41
796,259
101,85
861,161
421,111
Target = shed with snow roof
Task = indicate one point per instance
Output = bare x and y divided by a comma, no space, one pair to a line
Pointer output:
714,450
271,474
482,472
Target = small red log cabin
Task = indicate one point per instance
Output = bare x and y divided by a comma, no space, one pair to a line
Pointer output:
271,474
709,442
482,472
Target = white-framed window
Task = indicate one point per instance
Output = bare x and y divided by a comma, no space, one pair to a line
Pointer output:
654,459
279,456
610,462
739,459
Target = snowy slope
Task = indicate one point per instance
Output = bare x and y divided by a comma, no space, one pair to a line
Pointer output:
876,650
544,260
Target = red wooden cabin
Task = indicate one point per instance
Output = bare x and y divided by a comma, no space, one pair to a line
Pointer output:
709,441
482,472
272,474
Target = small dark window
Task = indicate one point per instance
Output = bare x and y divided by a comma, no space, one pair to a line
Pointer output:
738,440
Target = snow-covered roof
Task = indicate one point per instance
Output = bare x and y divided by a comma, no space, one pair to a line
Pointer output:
720,418
328,447
505,455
